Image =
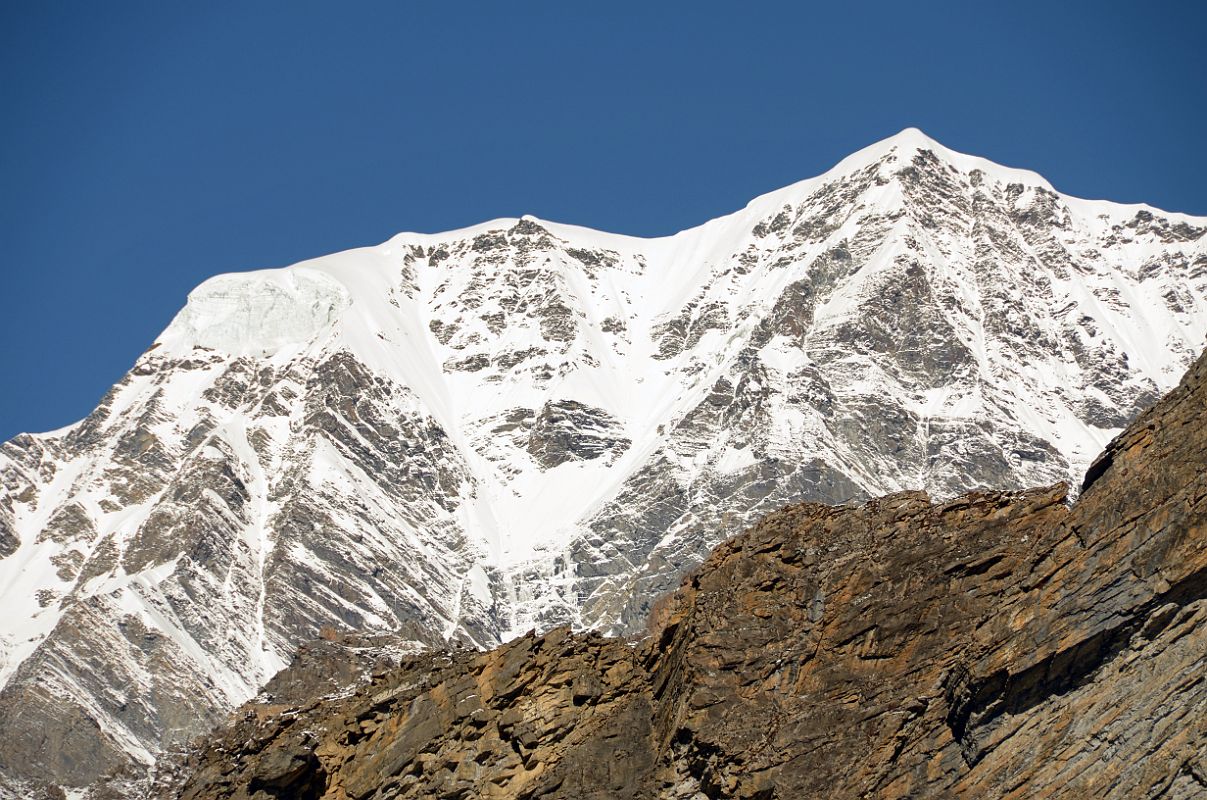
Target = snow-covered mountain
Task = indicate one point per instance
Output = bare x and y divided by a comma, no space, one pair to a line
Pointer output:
470,434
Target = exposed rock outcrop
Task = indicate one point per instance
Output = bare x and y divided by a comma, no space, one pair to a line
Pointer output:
1001,644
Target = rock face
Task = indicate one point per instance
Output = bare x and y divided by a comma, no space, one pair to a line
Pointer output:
1001,644
524,425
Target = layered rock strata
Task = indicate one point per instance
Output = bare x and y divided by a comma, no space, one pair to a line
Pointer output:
1001,644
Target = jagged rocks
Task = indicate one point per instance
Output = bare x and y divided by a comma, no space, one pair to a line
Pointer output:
519,721
1001,644
570,431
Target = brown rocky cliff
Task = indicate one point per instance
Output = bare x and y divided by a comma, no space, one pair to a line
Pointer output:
997,645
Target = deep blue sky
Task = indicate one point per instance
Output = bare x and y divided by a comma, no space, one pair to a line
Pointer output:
147,146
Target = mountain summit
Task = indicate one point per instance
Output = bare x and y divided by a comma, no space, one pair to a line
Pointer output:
523,424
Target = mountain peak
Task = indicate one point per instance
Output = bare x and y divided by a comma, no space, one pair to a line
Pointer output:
906,143
470,434
910,139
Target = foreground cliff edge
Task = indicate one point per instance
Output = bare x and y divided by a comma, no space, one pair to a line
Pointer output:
1001,644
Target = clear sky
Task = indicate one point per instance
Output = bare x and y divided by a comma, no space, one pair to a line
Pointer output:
147,146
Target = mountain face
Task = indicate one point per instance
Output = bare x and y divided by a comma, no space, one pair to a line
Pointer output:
1001,644
465,436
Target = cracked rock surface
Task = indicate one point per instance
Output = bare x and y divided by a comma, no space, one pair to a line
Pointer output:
999,644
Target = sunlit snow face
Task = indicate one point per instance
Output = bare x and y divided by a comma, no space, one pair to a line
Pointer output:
257,313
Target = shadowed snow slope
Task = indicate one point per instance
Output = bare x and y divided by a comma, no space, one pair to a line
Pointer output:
522,424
